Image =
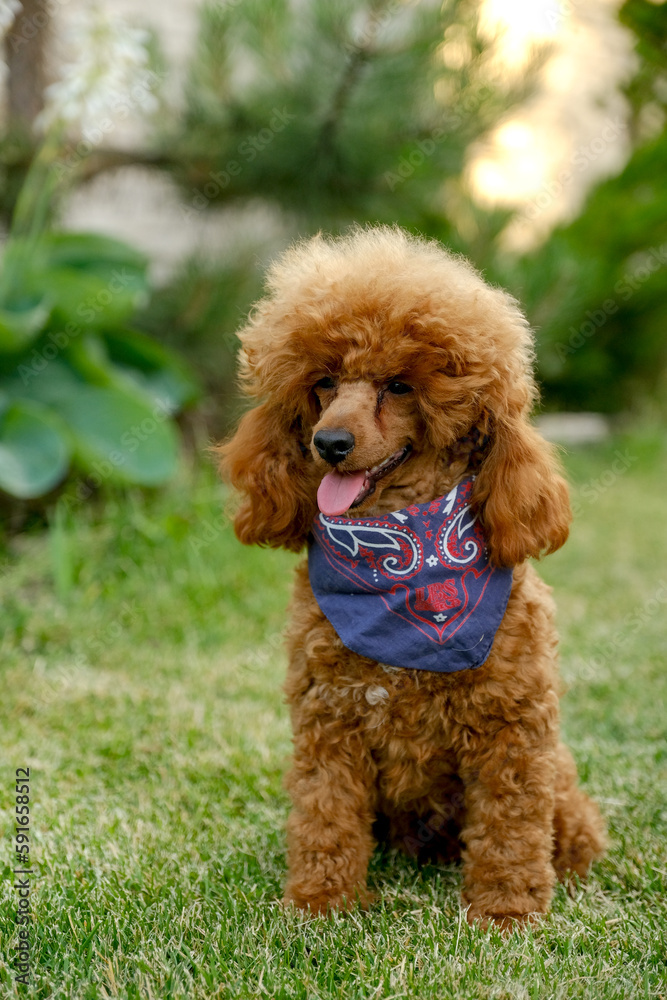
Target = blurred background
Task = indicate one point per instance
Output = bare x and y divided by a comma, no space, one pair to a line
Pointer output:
152,163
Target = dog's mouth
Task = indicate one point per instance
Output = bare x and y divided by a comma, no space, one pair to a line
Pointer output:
341,491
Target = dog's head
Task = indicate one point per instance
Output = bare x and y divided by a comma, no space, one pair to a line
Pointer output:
383,361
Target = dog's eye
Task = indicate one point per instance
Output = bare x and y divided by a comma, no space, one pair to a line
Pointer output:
399,388
325,383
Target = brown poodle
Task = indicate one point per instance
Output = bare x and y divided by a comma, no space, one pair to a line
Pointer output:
393,391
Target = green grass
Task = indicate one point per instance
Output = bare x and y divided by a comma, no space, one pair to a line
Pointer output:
142,670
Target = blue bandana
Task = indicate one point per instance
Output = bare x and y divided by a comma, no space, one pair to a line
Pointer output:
413,588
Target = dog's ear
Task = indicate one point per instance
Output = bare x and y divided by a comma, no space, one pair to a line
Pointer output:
267,462
521,497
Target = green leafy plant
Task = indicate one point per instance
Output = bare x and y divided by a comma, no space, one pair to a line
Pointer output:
79,387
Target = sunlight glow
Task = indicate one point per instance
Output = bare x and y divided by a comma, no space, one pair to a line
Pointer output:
515,169
522,23
572,129
513,165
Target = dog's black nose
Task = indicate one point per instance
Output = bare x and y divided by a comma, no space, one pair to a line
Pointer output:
334,445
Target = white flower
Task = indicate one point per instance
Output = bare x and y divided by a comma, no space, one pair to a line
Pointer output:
109,74
9,10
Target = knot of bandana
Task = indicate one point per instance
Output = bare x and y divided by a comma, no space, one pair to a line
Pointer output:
413,588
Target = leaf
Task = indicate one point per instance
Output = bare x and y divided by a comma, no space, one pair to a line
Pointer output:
90,252
158,377
90,360
119,436
89,280
84,299
41,380
163,387
19,327
153,367
34,452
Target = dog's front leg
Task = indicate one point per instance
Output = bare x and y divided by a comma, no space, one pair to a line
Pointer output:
509,801
332,784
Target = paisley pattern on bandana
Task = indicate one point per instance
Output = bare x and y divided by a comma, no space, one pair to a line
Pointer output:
413,588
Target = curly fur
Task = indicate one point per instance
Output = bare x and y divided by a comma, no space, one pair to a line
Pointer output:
439,764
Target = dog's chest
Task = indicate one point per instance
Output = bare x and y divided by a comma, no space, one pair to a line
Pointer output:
374,691
385,702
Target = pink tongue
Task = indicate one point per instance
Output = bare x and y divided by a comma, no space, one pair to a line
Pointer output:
338,491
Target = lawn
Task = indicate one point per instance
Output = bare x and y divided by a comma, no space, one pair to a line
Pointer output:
142,670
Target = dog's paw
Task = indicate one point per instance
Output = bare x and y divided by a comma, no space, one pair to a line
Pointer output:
503,922
507,901
323,903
